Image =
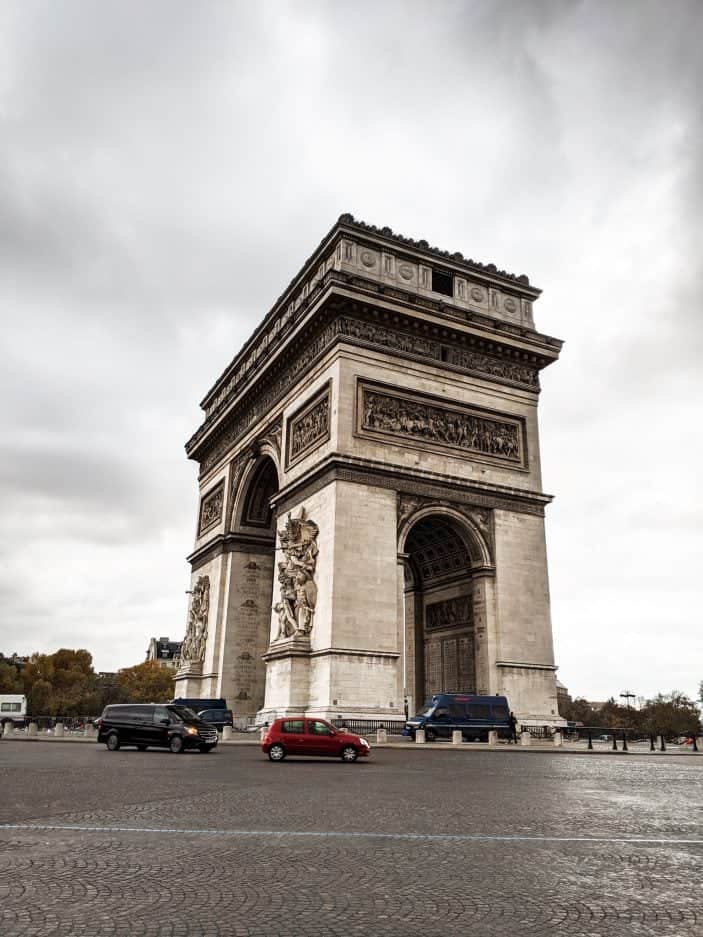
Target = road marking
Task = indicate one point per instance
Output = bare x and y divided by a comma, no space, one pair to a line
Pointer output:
440,837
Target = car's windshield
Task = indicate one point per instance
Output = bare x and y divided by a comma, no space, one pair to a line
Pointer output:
183,713
427,709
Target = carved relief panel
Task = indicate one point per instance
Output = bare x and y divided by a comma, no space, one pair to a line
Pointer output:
211,509
309,427
425,422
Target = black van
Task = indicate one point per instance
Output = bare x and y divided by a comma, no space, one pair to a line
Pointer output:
473,716
154,725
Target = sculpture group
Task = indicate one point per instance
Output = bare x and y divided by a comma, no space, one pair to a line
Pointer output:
296,607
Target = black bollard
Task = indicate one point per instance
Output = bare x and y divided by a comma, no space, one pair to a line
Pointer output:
695,744
624,741
651,743
663,744
590,741
615,742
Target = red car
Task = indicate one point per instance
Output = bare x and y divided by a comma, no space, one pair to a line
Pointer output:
296,735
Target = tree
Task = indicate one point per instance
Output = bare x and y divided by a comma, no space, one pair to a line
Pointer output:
671,714
70,679
10,680
147,682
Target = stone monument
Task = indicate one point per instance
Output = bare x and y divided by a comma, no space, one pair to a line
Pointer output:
371,522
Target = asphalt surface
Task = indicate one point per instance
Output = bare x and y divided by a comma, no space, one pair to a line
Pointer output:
408,842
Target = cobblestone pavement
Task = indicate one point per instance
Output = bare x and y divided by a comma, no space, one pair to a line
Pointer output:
409,843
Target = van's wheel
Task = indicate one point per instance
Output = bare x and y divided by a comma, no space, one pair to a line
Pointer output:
113,742
430,735
349,754
141,748
277,752
175,744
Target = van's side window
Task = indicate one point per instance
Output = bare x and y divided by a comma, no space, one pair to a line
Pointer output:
478,711
160,713
457,711
500,712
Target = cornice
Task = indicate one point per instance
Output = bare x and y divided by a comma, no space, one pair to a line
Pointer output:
288,304
405,480
229,543
473,331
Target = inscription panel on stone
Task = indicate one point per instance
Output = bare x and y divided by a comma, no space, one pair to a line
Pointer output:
425,422
211,509
309,427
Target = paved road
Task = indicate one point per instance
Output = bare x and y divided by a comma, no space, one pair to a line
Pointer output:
412,842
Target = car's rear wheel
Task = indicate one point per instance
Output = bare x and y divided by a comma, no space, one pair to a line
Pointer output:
175,744
277,752
349,754
113,742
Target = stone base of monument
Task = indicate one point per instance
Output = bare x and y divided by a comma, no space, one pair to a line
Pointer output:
287,678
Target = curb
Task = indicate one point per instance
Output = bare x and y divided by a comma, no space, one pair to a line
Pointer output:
413,746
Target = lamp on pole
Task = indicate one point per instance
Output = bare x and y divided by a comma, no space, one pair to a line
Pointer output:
628,695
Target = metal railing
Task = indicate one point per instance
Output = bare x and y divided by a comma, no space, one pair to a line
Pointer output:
371,726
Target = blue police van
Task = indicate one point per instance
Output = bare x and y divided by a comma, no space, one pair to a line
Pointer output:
473,716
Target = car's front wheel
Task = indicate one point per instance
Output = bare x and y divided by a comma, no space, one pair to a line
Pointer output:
175,744
349,754
113,742
277,752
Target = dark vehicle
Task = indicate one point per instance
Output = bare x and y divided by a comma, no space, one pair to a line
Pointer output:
299,736
219,718
198,705
473,716
154,725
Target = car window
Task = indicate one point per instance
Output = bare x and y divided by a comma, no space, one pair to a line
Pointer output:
315,727
457,711
478,711
160,712
182,713
293,725
500,712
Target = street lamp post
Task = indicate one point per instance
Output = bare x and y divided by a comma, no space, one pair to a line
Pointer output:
628,695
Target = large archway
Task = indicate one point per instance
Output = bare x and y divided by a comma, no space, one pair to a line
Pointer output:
440,653
253,540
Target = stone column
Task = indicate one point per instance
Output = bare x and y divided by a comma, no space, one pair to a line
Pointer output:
485,631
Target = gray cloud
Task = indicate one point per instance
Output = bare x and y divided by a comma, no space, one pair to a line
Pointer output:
164,171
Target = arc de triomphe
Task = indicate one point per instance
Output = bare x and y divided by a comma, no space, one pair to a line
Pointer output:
371,521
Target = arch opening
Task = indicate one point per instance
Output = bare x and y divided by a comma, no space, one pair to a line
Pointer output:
251,584
440,655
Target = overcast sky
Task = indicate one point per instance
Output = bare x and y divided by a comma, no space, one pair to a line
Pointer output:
165,169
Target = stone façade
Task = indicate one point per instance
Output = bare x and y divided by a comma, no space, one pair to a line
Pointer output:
391,386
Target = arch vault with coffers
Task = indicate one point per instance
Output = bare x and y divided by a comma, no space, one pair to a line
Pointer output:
371,521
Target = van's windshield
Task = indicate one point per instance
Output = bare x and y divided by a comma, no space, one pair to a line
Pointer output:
183,713
427,709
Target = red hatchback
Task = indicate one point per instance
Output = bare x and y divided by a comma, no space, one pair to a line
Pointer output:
296,735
